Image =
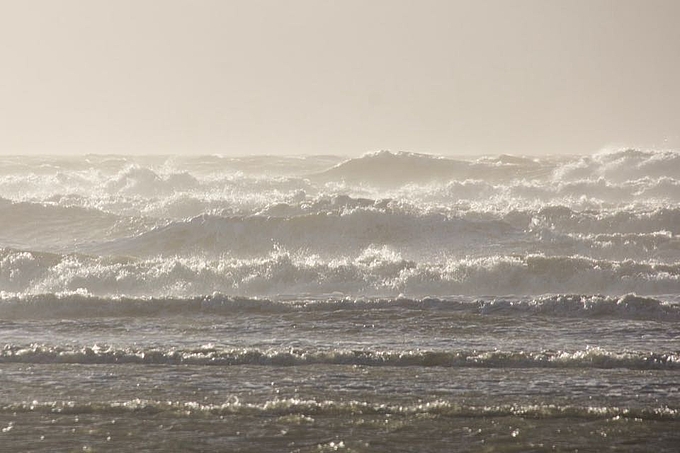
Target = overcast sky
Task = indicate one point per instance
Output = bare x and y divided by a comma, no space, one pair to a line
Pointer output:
338,77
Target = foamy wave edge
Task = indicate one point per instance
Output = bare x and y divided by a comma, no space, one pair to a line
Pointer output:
215,356
284,407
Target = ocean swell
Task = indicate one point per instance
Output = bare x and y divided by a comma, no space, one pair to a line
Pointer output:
79,305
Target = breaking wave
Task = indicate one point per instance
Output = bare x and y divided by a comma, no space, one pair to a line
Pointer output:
293,406
210,355
373,272
623,165
324,232
382,224
75,305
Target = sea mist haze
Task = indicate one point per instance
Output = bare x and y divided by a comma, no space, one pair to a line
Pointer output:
389,302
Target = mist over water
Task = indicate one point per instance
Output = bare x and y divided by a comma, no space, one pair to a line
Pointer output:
317,302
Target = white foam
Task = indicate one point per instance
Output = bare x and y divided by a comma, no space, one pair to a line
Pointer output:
211,356
607,223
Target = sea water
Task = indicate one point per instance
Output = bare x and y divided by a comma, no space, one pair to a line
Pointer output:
391,302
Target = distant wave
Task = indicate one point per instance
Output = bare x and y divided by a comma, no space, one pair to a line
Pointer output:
151,175
76,305
388,169
564,219
295,196
345,230
343,224
176,188
140,180
623,165
385,167
53,227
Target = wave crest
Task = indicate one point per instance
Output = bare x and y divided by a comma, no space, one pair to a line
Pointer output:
213,356
78,304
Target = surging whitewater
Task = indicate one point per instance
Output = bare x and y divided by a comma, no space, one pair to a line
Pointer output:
383,224
353,283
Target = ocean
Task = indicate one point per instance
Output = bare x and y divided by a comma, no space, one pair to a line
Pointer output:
393,302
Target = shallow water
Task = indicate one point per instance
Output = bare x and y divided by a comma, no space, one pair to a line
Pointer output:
393,302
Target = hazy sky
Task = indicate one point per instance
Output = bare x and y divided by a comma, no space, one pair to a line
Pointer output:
341,77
